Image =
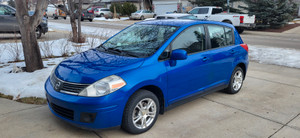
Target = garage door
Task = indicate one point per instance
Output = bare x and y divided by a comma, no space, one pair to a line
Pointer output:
163,8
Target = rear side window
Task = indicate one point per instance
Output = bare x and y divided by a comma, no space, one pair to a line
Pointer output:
217,10
229,36
203,11
104,9
191,40
170,18
220,36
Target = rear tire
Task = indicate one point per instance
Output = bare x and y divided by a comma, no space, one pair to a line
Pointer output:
141,112
236,81
38,32
101,15
240,30
91,20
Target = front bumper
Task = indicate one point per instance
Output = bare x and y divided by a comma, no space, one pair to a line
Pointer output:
87,112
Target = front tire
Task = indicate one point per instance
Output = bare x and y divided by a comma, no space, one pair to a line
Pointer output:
236,81
142,18
141,112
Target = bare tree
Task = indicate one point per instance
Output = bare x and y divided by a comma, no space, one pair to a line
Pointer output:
28,26
73,13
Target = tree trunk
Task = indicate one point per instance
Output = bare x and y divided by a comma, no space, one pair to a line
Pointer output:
79,22
28,26
74,28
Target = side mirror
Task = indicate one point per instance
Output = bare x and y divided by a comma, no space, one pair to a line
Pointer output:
179,54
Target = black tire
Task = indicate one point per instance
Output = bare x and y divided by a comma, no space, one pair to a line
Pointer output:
101,15
142,18
82,19
91,20
154,15
38,32
65,18
127,122
55,17
240,30
230,89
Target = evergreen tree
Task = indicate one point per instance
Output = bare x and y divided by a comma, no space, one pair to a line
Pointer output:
274,13
11,3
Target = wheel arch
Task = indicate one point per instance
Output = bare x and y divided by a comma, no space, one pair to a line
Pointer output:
159,94
227,21
244,68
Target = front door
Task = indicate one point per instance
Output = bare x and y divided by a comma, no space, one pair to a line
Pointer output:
8,21
193,74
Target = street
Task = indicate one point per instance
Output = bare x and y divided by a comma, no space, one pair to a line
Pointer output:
267,106
282,40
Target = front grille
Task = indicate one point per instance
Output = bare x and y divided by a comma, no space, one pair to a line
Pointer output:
64,112
66,87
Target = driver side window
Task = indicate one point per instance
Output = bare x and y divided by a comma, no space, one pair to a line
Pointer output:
191,40
5,10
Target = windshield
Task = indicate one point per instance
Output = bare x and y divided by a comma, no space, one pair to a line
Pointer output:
138,11
138,40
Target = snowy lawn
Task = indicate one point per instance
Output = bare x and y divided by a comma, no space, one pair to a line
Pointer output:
25,84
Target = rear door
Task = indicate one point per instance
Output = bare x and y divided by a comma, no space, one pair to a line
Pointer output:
8,21
193,74
222,51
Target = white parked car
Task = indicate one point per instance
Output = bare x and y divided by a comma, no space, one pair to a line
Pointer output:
240,21
102,12
142,14
176,16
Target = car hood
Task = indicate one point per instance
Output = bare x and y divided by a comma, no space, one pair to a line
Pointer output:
93,65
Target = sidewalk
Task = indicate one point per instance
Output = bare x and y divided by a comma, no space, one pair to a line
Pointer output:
267,106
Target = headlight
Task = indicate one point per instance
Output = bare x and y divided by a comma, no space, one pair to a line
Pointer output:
103,87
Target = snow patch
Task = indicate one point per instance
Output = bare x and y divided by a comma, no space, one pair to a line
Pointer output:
277,56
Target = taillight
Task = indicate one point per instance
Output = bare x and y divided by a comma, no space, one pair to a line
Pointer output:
245,46
241,19
83,14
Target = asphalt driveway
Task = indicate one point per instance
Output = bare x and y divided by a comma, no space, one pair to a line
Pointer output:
267,106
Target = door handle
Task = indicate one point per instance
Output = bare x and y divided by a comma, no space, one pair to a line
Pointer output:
205,59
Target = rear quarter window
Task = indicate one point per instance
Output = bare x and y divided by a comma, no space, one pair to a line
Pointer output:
220,36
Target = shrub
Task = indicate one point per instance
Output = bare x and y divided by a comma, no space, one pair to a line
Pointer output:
128,8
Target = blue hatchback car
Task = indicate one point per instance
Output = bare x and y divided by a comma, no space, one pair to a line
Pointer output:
144,70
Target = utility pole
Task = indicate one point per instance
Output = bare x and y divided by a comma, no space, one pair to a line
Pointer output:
228,7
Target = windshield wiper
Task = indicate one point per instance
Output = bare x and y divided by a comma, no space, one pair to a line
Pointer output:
105,49
122,52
